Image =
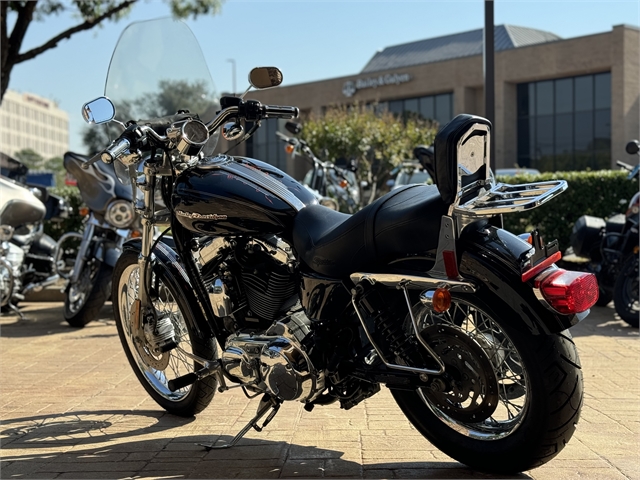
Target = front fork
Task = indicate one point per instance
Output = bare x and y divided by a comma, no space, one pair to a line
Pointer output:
147,219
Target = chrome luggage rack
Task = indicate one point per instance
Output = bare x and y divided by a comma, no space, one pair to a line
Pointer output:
504,198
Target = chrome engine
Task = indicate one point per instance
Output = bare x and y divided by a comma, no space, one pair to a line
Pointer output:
275,362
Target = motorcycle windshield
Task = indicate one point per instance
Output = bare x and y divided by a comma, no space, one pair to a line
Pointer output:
158,68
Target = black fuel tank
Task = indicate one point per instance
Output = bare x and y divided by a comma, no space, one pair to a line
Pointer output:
226,195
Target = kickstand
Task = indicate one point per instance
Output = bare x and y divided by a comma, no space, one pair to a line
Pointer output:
16,309
267,403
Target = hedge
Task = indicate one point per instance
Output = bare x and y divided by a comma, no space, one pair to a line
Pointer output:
600,193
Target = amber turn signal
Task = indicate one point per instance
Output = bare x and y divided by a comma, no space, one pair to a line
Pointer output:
83,211
441,300
288,148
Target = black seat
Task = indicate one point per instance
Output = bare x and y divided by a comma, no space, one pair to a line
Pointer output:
405,221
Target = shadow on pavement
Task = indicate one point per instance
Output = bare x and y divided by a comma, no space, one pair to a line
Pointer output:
47,320
604,321
183,458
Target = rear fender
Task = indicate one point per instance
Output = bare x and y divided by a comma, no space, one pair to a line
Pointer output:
493,257
166,259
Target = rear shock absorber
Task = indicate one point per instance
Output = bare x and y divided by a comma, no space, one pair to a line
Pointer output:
388,327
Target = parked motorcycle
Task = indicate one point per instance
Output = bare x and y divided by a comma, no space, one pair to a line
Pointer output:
111,220
335,186
610,248
29,258
421,291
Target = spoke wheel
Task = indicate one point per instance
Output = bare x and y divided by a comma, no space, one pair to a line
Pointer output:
487,393
508,400
155,369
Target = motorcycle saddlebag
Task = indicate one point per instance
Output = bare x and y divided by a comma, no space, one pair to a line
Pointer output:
585,236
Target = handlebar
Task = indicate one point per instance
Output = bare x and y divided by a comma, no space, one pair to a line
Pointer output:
117,148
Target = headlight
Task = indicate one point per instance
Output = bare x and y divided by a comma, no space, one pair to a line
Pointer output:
6,232
330,203
120,214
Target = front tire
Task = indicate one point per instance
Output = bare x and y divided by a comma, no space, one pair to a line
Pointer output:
85,298
510,409
625,297
154,371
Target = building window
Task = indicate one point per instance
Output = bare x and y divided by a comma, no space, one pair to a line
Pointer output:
565,124
266,146
430,107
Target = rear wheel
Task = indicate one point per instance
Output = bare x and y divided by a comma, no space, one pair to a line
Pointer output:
625,297
508,401
154,370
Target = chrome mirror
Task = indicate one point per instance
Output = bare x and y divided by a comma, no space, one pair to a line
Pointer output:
265,77
100,110
232,131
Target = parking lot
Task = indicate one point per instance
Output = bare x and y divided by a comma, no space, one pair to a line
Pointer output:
71,407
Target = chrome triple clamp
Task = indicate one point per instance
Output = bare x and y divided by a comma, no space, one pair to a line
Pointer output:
267,403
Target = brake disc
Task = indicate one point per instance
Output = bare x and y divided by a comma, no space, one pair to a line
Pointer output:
157,362
468,390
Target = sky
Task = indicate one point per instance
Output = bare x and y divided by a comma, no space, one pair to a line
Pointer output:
307,40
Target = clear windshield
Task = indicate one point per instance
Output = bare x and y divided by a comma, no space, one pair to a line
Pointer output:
157,68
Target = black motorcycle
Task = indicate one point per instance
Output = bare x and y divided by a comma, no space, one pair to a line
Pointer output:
422,291
110,221
610,248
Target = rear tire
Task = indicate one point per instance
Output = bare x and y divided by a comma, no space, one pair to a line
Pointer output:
169,299
84,300
536,404
625,297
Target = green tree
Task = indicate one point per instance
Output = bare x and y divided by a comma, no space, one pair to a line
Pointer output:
91,13
378,142
32,159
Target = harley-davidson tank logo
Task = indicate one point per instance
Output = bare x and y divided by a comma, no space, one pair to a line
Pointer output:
200,216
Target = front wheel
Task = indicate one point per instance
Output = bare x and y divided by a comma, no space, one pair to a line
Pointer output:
625,297
153,369
85,298
508,400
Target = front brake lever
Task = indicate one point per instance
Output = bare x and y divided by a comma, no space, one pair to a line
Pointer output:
91,161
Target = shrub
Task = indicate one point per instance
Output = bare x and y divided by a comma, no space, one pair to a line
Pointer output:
74,222
600,193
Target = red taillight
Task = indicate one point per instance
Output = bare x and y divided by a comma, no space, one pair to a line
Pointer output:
569,292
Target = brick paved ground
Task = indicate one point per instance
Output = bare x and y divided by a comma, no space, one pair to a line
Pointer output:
71,407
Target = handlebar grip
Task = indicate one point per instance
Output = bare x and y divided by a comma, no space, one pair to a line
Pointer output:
276,111
114,150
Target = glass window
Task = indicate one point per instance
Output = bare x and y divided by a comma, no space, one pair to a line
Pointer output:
584,93
396,106
564,95
427,108
411,105
565,124
603,90
443,108
544,98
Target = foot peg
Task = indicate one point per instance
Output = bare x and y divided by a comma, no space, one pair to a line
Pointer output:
267,403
